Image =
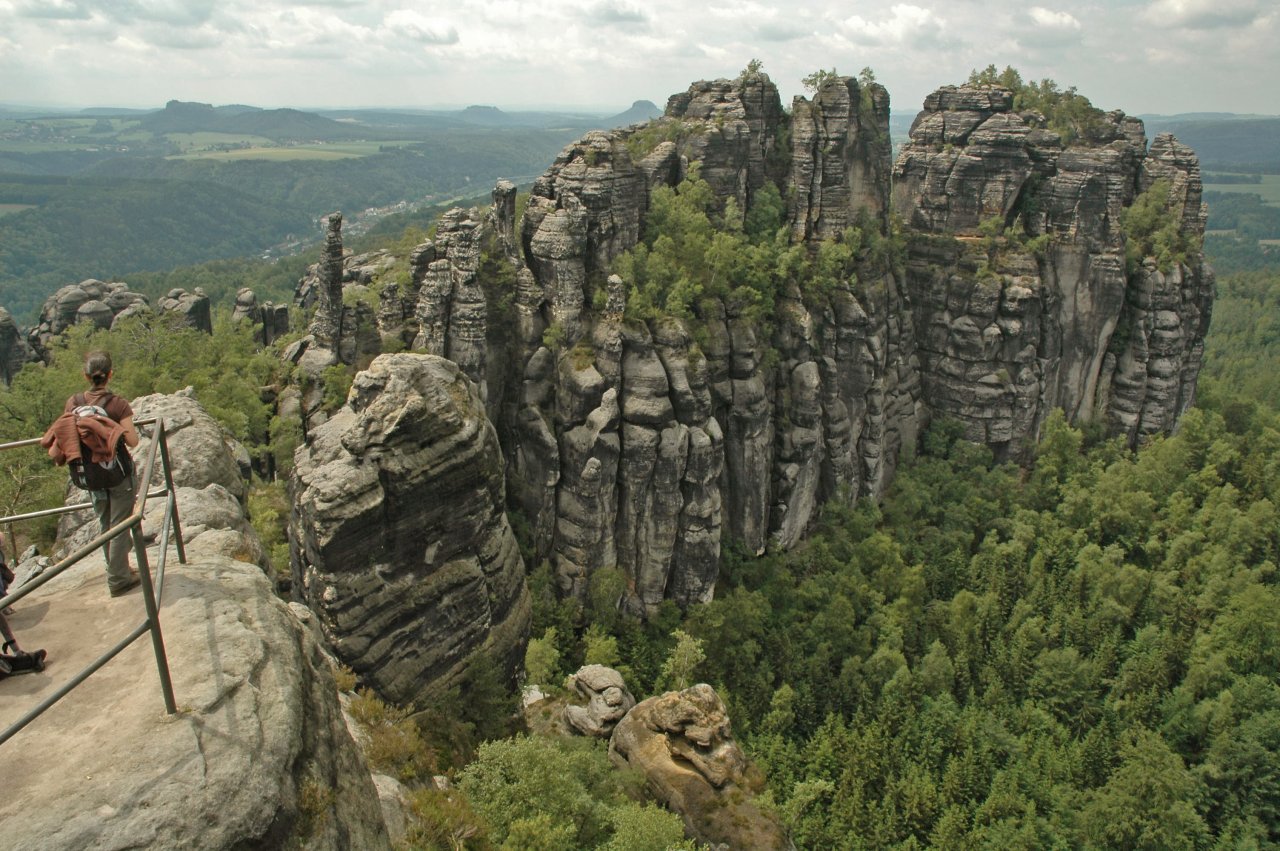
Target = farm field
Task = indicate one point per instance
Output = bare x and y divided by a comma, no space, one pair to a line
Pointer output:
208,139
277,153
1269,188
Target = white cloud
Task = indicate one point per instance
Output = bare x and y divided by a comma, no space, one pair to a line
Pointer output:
906,24
420,28
613,12
67,10
1050,19
602,52
1205,14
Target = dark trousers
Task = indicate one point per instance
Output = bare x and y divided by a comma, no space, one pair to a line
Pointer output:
112,506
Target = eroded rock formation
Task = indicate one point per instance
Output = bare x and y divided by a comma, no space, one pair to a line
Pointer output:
270,320
403,546
1041,309
103,304
15,351
607,700
645,444
682,744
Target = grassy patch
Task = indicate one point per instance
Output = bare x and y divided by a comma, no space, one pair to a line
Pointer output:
1269,188
6,209
320,151
209,139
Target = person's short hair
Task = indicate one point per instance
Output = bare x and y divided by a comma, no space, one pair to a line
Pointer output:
97,367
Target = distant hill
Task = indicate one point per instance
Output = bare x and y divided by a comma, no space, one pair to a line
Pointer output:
279,125
111,112
1184,117
471,118
1246,143
485,116
641,110
83,227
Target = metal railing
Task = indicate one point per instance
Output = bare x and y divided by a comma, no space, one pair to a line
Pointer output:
151,591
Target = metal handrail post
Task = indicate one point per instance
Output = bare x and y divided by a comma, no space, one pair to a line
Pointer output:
163,439
153,619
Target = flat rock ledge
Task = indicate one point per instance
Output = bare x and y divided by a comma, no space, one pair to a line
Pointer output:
257,757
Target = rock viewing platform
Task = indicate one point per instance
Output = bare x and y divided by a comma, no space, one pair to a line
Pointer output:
258,754
258,732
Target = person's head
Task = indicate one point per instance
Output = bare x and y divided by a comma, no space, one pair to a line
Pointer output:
97,367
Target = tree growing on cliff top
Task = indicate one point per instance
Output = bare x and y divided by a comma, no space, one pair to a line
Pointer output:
1067,112
815,81
754,71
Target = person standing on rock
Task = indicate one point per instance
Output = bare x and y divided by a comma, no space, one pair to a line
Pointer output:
113,505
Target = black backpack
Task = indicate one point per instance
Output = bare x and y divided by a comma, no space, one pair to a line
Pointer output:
91,475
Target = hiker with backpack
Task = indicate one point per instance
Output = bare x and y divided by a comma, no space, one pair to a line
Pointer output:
92,437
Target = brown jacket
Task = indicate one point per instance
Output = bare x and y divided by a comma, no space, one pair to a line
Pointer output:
99,434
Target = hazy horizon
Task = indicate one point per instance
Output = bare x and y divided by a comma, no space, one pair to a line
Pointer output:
1142,56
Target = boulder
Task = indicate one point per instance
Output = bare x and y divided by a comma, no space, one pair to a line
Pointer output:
682,745
607,700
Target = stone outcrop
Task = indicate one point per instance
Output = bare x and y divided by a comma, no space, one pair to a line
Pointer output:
15,351
644,445
1041,309
402,547
192,306
681,743
103,304
90,301
270,320
607,700
258,755
840,156
736,141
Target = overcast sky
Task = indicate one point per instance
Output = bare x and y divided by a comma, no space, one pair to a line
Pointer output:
1143,56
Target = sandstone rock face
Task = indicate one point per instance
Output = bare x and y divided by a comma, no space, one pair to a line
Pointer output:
608,700
642,445
326,324
270,319
840,156
1007,331
682,743
581,214
451,309
90,301
737,144
193,307
259,738
403,547
15,351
